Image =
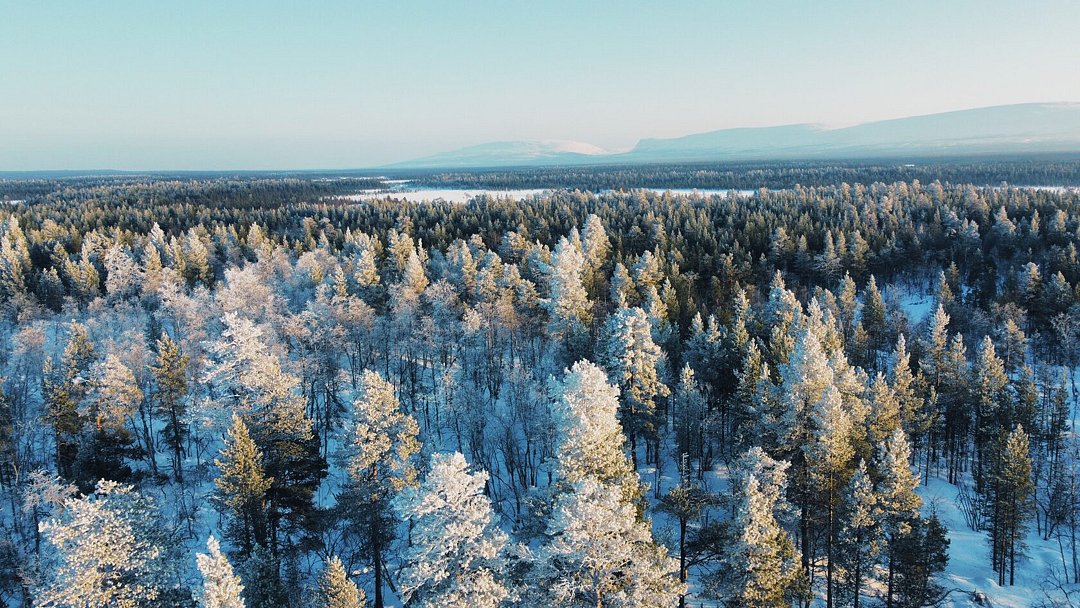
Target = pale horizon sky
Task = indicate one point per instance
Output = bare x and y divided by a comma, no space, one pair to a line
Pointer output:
287,85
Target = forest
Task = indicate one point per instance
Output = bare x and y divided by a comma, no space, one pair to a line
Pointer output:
846,385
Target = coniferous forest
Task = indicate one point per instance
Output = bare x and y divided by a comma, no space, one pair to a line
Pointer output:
834,385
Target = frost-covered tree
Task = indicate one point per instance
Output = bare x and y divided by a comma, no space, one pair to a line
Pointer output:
106,550
248,374
221,588
860,539
457,553
599,554
761,567
123,279
897,502
377,453
1011,504
590,438
251,382
569,312
242,486
633,359
63,390
114,398
688,415
989,382
170,378
595,247
15,265
622,287
336,590
828,455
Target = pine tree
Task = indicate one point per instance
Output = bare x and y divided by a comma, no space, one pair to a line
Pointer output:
114,398
1011,510
170,376
897,501
336,589
108,551
377,453
242,487
828,455
15,264
590,438
599,554
622,287
569,311
688,414
632,358
596,247
457,553
221,588
63,391
762,567
874,314
988,383
253,383
263,585
920,555
860,539
686,502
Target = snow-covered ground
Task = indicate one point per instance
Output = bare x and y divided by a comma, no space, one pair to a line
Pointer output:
969,556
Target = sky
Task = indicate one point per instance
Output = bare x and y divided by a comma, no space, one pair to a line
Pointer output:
246,84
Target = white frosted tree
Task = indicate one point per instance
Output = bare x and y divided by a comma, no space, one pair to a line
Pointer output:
803,381
828,454
596,247
457,555
898,503
123,279
761,568
633,361
599,554
248,374
106,551
377,452
621,291
336,590
771,475
221,588
590,438
860,538
568,306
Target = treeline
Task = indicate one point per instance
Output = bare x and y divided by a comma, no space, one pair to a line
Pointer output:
1054,171
505,403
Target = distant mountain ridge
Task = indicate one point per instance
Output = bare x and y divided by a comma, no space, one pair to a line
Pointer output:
1011,129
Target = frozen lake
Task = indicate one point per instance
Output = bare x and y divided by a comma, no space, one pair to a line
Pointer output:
455,195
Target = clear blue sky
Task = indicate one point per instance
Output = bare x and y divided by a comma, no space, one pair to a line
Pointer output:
261,84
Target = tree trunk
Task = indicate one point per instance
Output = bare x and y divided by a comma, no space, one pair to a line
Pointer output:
682,558
889,584
376,552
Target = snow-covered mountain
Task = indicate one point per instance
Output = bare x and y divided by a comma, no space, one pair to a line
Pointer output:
1012,129
512,153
